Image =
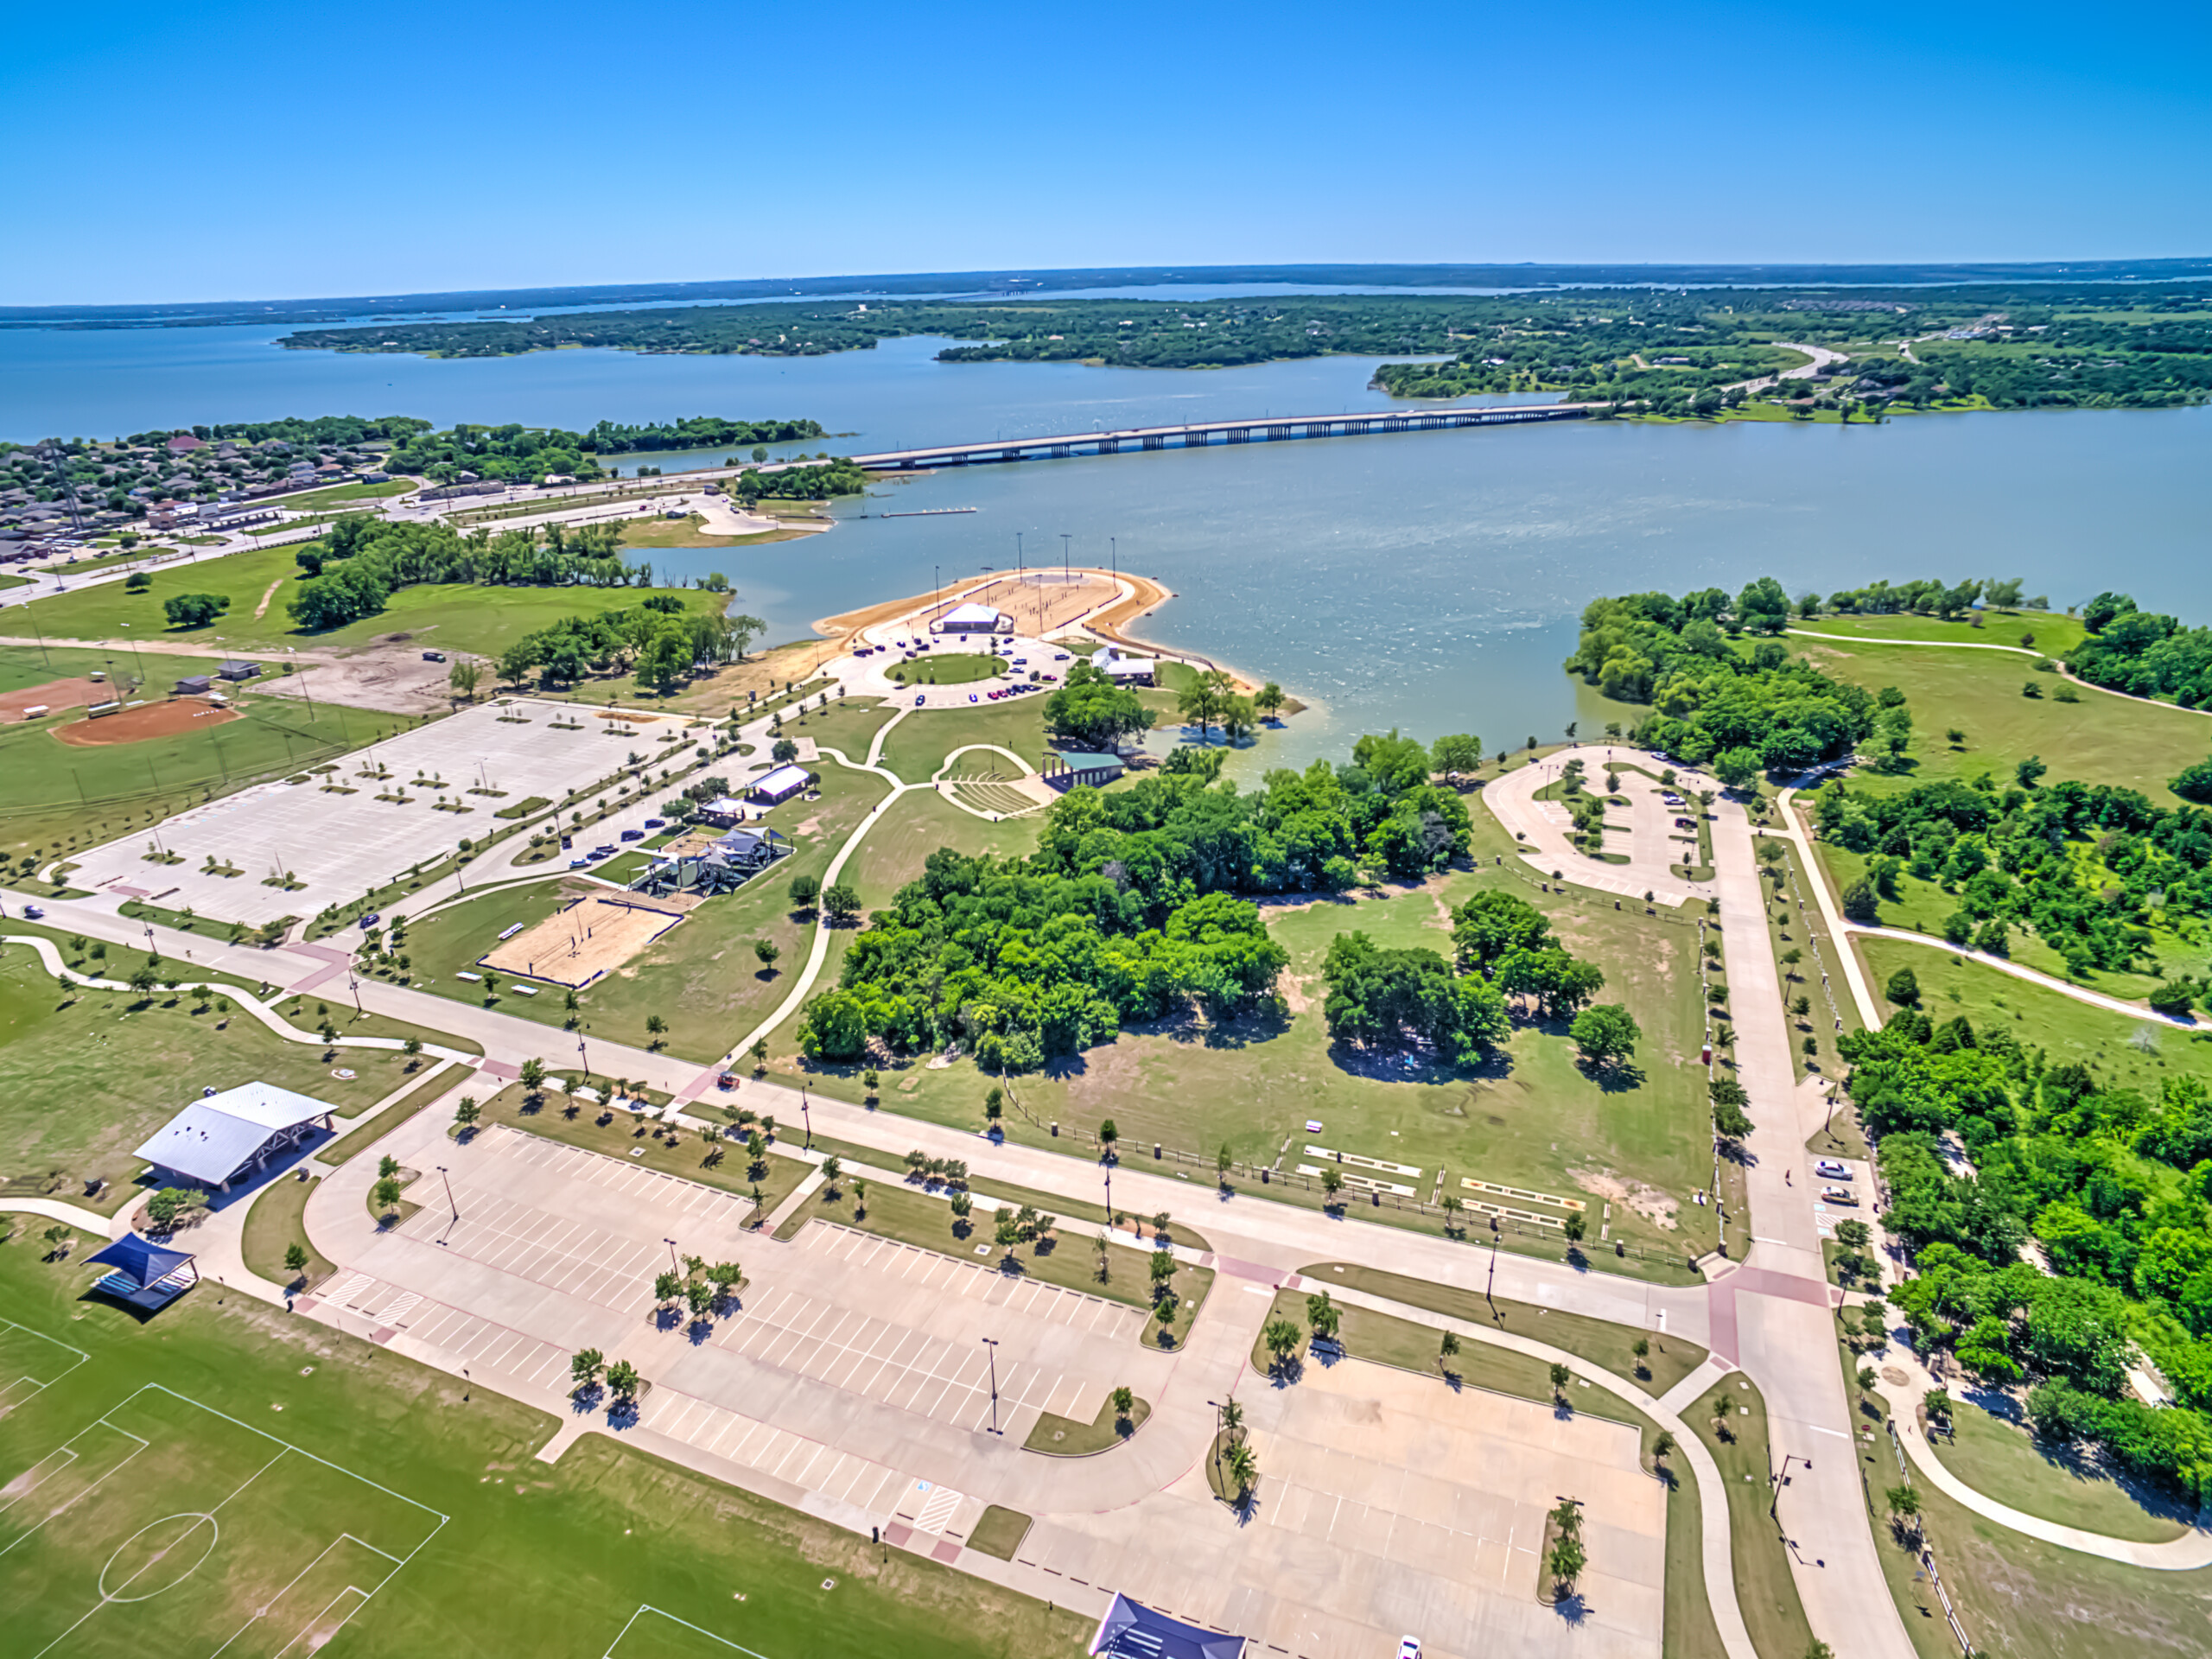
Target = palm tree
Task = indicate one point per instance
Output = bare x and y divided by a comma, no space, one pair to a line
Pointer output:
1243,1469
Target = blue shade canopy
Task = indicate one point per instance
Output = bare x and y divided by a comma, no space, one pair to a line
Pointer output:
145,1261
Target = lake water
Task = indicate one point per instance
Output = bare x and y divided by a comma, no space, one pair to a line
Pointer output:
1429,580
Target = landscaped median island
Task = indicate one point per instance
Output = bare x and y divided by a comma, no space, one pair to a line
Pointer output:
1063,1437
726,1159
1019,1242
1732,1422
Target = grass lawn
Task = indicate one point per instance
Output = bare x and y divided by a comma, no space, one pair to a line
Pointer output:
1532,1118
952,668
2070,1031
701,975
1063,1437
848,725
1791,926
273,1225
919,747
1925,906
455,616
1764,1590
1600,1341
338,494
653,1145
502,1554
352,1142
2013,1593
2047,632
2009,1465
2102,739
82,1084
1000,1533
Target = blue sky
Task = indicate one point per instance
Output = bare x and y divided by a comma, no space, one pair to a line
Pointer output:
226,150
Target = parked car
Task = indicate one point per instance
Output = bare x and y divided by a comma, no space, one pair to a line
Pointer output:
1408,1646
1832,1170
565,844
633,835
578,863
655,823
1840,1195
433,656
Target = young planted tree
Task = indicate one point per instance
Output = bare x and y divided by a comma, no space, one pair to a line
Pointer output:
1281,1338
465,1114
767,950
1446,1351
296,1257
1125,1402
1560,1376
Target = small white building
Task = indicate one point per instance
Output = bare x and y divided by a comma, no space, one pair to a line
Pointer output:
1128,671
972,619
723,814
778,786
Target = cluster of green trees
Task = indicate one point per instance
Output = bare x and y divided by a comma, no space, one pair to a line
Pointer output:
1924,596
1507,959
2088,868
194,610
1713,703
1020,964
2112,1187
1088,709
812,483
2143,653
353,570
661,639
1126,909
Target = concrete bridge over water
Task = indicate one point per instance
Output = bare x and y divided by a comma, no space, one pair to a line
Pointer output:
1197,434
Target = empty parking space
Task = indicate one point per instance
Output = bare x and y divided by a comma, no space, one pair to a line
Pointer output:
345,832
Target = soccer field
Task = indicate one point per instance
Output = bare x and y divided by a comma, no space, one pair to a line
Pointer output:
166,1526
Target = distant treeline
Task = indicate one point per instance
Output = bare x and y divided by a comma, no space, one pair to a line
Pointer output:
2027,344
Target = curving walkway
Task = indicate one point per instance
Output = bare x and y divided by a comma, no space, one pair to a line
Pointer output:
2033,976
2192,1550
2064,672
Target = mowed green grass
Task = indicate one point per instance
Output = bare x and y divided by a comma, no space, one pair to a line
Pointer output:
1532,1118
2006,1462
501,1553
2102,739
453,616
2048,632
2070,1033
82,1085
1925,906
702,976
926,736
24,666
2013,1593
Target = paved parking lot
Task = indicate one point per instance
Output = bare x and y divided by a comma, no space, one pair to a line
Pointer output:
343,845
1390,1503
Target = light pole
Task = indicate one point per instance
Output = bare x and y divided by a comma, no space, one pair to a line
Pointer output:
1216,1404
354,984
1064,557
807,1116
1782,1479
451,1204
992,1343
1110,1195
672,1261
1114,556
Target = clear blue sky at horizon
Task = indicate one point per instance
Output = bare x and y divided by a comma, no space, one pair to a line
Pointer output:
225,151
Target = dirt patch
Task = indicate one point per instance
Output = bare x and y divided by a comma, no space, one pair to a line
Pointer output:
147,720
262,609
54,694
1292,988
1649,1202
387,676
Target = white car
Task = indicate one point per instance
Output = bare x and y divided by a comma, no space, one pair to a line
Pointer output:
1832,1170
1408,1646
